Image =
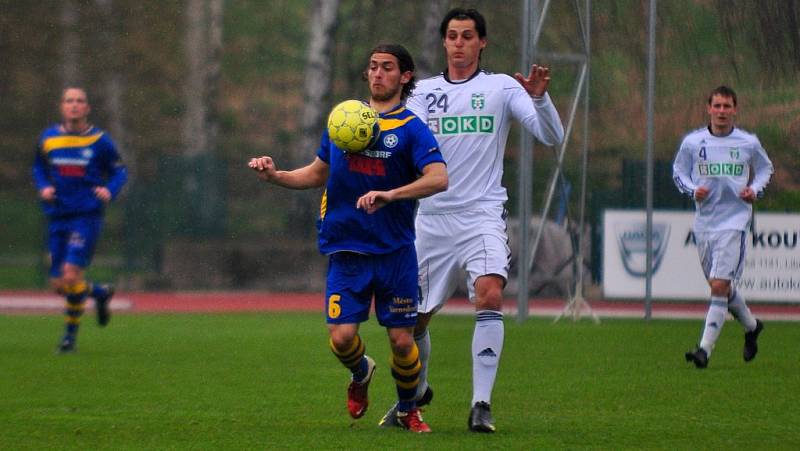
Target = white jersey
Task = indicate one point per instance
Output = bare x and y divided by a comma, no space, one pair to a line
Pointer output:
723,164
470,120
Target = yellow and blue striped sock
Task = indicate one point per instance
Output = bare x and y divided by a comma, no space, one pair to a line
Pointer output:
353,358
405,371
75,303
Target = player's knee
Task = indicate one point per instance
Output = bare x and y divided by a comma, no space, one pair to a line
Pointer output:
57,285
720,287
71,280
492,299
489,293
340,344
402,344
74,287
71,276
342,338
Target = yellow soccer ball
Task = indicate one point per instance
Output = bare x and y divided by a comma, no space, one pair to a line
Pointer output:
353,126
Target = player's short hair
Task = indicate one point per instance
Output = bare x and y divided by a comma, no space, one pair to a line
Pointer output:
79,88
464,14
722,91
404,60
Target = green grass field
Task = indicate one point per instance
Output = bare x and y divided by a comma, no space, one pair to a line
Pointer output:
268,381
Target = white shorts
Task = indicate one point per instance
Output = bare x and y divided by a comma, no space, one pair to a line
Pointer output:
721,253
452,247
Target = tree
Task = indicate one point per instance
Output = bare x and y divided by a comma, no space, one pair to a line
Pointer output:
113,86
772,25
428,60
317,88
200,171
70,44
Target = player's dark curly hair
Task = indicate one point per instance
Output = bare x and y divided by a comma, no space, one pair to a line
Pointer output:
404,60
722,91
464,14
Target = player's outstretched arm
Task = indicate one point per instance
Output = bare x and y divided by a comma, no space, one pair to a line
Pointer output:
313,175
539,117
433,180
537,80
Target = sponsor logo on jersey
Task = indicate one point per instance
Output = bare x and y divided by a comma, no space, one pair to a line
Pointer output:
87,152
720,169
455,125
734,153
365,165
377,153
478,101
70,167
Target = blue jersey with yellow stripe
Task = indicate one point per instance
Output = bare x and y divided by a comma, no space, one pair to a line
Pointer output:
75,163
404,148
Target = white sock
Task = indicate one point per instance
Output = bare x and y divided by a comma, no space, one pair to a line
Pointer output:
715,318
487,345
738,308
424,345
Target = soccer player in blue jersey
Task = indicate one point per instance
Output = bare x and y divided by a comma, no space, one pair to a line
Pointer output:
366,227
724,169
77,172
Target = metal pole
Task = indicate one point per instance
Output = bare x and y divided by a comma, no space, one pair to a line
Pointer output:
585,149
577,304
525,172
559,163
537,32
651,87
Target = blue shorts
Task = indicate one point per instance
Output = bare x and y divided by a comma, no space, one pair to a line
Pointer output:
72,240
353,280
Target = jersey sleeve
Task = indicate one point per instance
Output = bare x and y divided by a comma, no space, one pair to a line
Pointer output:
116,169
425,149
416,103
762,169
324,150
41,169
537,115
682,169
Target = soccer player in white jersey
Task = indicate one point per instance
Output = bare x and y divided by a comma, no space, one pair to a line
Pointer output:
462,232
713,166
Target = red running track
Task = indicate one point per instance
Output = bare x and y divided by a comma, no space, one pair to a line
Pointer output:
197,302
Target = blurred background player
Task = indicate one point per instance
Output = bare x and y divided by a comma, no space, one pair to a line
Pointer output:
77,172
463,230
713,166
366,227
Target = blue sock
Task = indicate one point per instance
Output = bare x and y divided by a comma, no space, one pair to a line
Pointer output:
98,291
360,371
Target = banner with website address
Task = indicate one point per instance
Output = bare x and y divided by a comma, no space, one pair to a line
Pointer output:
772,264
